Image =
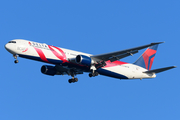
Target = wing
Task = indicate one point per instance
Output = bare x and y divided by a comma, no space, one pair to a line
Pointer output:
62,70
113,56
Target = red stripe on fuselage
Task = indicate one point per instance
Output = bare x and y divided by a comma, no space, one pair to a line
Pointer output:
25,50
115,63
61,57
62,52
41,55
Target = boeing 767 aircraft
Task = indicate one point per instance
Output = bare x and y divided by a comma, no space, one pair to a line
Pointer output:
69,62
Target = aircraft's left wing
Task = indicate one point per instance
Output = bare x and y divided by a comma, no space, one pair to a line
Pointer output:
113,56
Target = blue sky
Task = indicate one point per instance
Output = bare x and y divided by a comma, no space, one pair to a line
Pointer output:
94,27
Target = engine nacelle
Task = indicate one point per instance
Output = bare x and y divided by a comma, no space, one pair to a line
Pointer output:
48,70
84,60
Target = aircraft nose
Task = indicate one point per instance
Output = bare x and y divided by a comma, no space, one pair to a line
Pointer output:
10,48
6,46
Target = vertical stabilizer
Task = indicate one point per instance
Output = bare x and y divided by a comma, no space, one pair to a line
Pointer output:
147,58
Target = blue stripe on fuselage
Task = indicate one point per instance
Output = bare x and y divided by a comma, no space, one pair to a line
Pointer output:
111,74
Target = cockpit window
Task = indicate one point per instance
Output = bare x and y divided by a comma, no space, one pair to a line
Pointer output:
12,42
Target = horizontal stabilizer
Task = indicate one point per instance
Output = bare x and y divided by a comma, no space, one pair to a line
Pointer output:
160,70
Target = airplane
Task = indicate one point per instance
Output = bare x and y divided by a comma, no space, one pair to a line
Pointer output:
69,62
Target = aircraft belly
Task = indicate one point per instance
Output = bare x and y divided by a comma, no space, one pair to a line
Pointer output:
116,72
122,72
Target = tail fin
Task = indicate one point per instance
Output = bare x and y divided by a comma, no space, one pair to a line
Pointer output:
147,58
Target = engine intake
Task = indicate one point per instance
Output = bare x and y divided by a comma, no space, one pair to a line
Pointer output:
48,70
84,60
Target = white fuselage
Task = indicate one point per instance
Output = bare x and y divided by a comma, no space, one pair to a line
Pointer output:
65,57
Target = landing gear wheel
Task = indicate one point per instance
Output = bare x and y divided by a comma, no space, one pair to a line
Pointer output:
90,75
96,73
93,74
16,61
73,80
15,56
70,80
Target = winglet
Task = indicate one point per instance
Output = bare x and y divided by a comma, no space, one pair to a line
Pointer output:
157,43
160,69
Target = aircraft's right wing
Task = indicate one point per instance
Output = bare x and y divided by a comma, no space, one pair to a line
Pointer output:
113,56
62,70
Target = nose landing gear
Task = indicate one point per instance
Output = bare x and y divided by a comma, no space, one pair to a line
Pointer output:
15,56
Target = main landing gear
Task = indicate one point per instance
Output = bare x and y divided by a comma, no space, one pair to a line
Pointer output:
93,74
73,80
15,56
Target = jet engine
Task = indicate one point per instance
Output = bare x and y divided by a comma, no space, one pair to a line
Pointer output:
84,60
48,70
